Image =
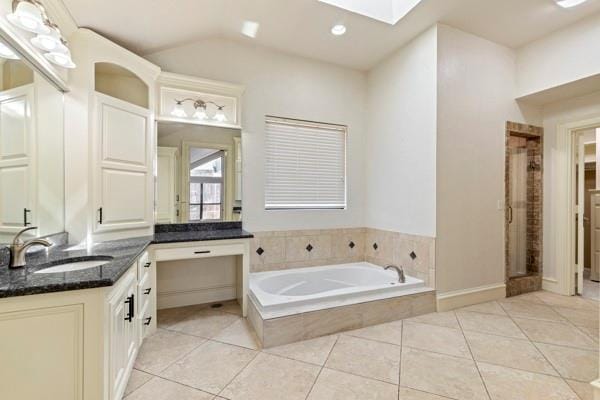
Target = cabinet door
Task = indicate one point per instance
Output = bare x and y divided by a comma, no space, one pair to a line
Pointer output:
122,335
16,159
123,189
165,185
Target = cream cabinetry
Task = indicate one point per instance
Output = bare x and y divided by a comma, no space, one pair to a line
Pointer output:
122,166
76,345
166,185
238,168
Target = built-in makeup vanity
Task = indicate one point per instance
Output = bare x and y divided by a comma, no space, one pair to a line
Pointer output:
143,169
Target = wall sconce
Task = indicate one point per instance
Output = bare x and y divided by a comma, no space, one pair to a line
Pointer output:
200,107
30,16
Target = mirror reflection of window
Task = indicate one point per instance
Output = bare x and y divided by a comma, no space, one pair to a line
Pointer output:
206,184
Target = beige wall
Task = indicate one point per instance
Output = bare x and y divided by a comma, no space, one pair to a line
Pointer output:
476,91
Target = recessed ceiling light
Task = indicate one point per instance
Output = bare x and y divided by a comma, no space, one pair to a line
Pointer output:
569,3
250,28
338,30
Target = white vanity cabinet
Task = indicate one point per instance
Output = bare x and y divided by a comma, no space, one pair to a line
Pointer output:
123,181
76,345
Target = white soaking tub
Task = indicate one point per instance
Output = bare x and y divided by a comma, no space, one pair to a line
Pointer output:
286,292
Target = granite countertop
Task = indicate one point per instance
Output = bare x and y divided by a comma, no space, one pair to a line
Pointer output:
24,281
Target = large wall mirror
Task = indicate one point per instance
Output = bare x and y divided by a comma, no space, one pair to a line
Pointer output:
199,173
31,149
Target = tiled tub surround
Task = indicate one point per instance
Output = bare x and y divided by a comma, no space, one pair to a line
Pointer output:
271,251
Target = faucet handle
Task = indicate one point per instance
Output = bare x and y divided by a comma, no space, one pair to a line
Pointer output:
17,239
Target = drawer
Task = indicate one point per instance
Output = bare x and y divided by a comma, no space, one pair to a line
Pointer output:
201,251
145,291
144,265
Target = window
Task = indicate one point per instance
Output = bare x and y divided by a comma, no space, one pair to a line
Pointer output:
305,165
206,185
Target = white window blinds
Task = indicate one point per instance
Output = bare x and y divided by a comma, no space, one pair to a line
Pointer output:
305,164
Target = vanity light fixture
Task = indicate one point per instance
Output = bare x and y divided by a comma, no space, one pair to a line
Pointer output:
569,3
338,30
31,16
200,106
7,52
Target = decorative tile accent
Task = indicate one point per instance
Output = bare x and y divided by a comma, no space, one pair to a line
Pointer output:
413,255
309,248
351,245
375,246
260,251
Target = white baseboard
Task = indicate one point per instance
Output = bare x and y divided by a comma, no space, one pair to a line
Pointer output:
551,285
466,297
195,296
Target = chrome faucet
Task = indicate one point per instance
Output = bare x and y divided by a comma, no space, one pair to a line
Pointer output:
18,248
400,271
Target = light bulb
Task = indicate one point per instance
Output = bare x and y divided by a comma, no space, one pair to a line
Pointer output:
50,42
7,52
178,110
220,115
62,59
28,16
338,30
200,113
569,3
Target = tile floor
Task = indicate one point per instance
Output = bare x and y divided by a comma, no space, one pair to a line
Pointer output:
535,346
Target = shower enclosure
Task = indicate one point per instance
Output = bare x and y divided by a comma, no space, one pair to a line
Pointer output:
523,210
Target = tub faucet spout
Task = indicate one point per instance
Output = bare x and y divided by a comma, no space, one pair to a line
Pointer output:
400,271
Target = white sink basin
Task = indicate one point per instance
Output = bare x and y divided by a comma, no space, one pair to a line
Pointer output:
73,266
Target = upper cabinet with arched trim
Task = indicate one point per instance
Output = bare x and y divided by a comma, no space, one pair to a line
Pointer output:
116,81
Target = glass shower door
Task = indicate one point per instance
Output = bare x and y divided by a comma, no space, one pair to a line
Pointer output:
517,211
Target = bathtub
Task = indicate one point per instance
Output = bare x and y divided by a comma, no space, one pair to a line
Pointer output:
287,292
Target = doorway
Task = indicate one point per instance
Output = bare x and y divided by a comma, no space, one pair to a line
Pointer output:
587,219
523,210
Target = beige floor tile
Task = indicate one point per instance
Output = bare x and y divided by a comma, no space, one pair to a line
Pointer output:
136,380
529,297
447,319
411,394
523,309
269,377
560,333
390,332
313,351
557,300
232,307
440,374
514,353
583,389
489,323
162,389
336,385
170,316
578,364
491,307
366,358
205,323
511,384
240,333
210,367
164,348
593,332
580,317
435,338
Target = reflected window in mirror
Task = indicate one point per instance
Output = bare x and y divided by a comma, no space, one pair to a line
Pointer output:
206,184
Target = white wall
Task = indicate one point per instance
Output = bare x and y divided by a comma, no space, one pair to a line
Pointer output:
287,86
567,55
400,147
476,91
573,110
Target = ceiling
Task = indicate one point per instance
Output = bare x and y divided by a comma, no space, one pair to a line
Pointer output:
302,27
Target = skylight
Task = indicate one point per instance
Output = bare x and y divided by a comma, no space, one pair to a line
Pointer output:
388,11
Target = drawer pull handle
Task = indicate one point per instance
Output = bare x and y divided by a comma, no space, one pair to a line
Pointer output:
147,291
147,265
147,322
202,252
131,310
